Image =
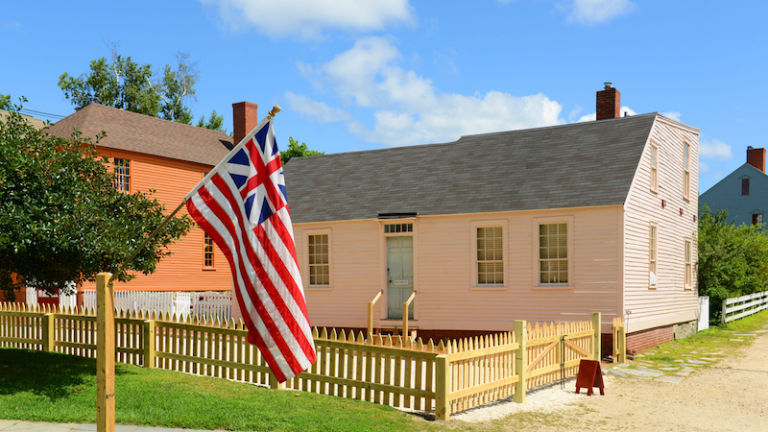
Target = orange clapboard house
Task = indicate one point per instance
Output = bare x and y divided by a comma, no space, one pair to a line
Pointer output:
147,153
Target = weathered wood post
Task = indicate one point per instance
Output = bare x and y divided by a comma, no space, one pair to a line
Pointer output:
149,344
442,387
274,384
105,353
521,360
49,334
596,337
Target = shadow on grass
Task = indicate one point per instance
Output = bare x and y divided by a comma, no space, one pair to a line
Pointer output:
48,374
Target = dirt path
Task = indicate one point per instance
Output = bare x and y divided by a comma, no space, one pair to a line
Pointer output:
730,395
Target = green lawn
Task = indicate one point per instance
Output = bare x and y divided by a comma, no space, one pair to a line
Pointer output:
54,387
716,341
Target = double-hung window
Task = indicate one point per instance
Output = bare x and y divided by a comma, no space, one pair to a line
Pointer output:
654,168
490,255
121,168
208,262
553,253
319,263
688,277
686,171
652,248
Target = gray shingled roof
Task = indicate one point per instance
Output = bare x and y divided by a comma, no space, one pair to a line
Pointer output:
145,134
575,165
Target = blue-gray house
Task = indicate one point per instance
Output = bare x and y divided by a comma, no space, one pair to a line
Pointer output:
744,192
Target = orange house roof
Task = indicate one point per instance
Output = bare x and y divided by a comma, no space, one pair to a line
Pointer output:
140,133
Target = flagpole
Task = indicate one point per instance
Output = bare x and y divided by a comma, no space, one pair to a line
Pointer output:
275,109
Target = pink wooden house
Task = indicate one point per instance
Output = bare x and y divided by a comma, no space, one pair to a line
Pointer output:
549,223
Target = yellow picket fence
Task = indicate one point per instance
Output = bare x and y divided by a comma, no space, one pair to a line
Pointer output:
444,378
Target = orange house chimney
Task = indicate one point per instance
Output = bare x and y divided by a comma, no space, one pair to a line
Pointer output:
244,118
608,103
756,158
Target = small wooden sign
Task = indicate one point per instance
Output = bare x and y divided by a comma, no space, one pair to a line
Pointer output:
590,376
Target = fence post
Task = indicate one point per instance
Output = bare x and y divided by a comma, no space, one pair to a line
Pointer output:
149,344
105,353
725,311
274,384
49,334
442,387
596,337
521,360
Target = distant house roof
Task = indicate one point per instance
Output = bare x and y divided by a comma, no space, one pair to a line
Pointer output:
34,121
144,134
574,165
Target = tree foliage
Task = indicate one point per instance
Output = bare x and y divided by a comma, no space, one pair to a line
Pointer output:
215,122
62,220
733,260
122,83
5,102
297,150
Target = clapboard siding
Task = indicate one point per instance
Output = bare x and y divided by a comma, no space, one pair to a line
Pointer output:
183,269
669,302
444,275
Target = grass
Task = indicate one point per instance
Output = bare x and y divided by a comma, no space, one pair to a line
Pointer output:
716,341
41,386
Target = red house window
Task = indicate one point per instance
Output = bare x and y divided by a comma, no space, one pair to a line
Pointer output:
122,171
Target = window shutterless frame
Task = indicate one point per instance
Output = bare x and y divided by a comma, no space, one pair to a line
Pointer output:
318,253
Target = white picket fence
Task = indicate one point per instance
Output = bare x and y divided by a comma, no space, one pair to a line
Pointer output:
739,307
209,304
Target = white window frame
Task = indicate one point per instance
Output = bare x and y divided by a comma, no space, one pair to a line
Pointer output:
687,263
569,221
654,169
307,281
686,171
122,178
505,254
653,255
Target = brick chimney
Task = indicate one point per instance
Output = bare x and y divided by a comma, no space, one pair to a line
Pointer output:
608,103
244,118
756,158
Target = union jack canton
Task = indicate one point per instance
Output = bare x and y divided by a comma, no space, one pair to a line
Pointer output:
242,205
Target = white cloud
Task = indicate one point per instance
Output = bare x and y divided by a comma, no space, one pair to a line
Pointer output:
307,19
715,149
674,115
408,109
625,110
590,12
318,110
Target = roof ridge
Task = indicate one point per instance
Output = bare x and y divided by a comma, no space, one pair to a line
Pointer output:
446,143
148,117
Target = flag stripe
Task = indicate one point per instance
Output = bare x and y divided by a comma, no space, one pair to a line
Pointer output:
242,206
285,279
288,258
255,326
263,305
281,296
239,271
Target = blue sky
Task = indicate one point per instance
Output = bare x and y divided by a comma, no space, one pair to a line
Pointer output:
354,74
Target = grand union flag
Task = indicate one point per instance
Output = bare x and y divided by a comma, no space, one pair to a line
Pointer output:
242,205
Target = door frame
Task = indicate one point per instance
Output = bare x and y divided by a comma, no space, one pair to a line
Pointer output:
382,305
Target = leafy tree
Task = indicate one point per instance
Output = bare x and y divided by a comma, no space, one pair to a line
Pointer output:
215,122
125,84
297,150
62,220
5,102
733,260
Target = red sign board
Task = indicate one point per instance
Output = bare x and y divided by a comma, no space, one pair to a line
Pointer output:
590,376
